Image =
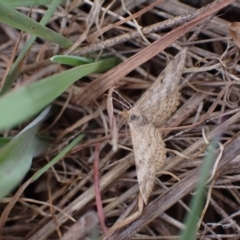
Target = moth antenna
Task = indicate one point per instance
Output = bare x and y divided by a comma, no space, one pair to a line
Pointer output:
127,106
123,99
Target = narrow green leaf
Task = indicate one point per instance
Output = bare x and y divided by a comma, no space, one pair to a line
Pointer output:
16,155
71,60
4,141
16,67
23,103
14,18
57,158
39,144
196,204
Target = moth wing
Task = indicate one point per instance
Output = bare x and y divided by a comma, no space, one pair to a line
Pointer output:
149,152
161,99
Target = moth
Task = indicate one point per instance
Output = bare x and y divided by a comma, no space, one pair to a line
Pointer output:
151,111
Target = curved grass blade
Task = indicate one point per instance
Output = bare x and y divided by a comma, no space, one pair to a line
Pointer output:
16,67
16,155
23,103
14,18
4,141
196,204
71,60
57,158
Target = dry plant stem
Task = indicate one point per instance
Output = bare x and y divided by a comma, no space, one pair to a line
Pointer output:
7,209
233,30
44,204
224,215
52,211
81,201
200,143
217,25
175,193
211,109
129,219
209,195
145,30
226,219
182,204
23,187
77,124
110,106
225,199
90,175
107,80
11,61
129,193
97,190
112,120
91,18
133,16
173,221
61,112
127,211
35,66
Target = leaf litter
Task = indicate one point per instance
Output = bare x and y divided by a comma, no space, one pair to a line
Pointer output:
211,95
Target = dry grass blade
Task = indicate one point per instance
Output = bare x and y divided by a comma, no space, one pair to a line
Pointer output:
100,85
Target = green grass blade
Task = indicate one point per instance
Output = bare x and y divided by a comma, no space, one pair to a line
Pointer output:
14,18
23,103
71,60
57,158
15,68
16,156
196,204
4,141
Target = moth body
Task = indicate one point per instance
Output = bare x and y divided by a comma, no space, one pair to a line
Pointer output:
151,111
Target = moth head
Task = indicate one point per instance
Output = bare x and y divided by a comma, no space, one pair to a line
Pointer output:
133,116
136,116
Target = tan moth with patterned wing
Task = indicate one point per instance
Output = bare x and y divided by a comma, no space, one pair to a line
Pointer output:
152,110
